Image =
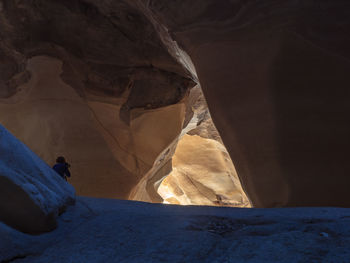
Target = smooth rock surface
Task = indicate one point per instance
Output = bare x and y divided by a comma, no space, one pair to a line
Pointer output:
276,77
31,193
108,156
92,81
203,174
101,230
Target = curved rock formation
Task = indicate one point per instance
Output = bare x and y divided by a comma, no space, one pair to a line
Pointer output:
94,82
196,169
202,170
276,78
275,75
113,99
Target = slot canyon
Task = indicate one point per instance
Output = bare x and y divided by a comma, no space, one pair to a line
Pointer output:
115,110
241,104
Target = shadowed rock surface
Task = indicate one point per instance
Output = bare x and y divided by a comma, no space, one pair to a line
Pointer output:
276,77
31,193
102,230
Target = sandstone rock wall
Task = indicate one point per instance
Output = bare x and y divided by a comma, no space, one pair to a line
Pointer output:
101,83
275,75
202,174
108,156
196,169
94,82
276,78
202,170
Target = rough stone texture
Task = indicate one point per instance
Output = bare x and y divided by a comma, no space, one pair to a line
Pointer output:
31,193
203,123
276,78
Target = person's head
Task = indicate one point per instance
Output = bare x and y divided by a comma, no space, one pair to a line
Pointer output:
60,159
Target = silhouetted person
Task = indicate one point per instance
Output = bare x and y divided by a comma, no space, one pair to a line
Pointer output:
61,167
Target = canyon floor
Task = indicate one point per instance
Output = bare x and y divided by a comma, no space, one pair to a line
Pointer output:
106,230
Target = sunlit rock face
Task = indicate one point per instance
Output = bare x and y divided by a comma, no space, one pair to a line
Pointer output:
198,170
102,83
52,119
276,78
203,174
108,156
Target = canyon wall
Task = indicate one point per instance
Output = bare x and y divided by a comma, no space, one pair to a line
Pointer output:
276,78
200,171
91,81
99,82
108,85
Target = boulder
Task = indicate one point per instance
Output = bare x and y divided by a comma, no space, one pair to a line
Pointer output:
32,194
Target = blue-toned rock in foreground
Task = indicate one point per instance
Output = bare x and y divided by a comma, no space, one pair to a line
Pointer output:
31,193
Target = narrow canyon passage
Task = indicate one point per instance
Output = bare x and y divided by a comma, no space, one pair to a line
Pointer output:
194,131
274,79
